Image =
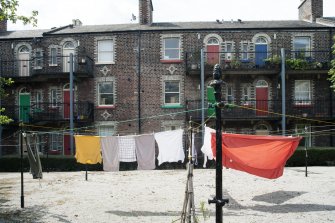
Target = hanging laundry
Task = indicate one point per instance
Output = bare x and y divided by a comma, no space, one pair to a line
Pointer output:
170,145
194,151
110,153
87,149
127,149
206,147
33,155
263,156
145,152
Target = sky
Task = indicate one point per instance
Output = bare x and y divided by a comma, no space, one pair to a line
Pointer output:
56,13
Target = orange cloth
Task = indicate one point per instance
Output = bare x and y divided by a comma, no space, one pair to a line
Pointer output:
263,156
88,149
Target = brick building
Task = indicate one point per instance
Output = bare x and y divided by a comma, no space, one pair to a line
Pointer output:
144,78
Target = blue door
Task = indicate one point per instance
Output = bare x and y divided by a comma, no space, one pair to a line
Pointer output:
261,54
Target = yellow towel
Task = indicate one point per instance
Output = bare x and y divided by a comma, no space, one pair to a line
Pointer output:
88,149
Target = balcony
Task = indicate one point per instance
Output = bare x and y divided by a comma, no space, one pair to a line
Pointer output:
253,62
260,110
46,68
48,112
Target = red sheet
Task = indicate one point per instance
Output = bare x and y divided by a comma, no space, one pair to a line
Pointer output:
263,156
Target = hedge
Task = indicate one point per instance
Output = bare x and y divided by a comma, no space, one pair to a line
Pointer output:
316,157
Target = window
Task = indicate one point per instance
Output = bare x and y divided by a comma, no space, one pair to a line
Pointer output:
56,142
38,59
171,48
53,56
53,97
106,93
105,51
229,50
106,130
230,96
246,95
302,47
38,100
171,92
302,92
244,55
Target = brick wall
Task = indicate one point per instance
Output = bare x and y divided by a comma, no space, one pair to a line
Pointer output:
3,25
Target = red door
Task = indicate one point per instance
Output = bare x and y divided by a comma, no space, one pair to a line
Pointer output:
66,145
213,54
66,106
261,101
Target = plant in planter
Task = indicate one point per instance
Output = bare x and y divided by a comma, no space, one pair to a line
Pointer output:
273,62
235,64
297,64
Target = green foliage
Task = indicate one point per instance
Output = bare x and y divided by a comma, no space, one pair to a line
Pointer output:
332,70
4,82
205,211
297,64
8,11
275,60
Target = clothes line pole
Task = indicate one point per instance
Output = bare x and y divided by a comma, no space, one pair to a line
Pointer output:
21,167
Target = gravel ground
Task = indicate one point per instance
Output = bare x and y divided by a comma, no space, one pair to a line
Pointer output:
157,196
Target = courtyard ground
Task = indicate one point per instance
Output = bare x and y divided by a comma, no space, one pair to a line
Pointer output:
157,196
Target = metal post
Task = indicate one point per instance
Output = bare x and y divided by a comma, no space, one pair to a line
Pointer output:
283,93
0,112
21,167
202,86
71,104
139,82
218,200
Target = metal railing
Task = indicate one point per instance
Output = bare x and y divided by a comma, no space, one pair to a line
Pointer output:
253,60
83,64
246,109
37,112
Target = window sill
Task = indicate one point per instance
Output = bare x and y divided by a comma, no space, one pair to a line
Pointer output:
302,105
104,63
172,61
172,106
105,107
53,65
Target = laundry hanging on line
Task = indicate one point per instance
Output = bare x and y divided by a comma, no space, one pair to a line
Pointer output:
170,146
263,156
110,153
88,149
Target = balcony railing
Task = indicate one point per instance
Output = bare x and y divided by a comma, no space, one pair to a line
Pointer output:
48,112
254,60
82,65
258,109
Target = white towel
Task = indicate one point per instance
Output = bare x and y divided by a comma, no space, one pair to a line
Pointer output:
207,147
170,146
110,153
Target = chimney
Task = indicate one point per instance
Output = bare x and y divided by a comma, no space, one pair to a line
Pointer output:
310,10
76,22
145,13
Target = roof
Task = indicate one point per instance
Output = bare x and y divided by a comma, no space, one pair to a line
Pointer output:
215,25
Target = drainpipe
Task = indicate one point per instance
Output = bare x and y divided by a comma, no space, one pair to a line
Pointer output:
202,86
283,93
71,104
139,82
0,114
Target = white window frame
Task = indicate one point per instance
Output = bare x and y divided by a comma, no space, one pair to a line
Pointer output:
38,99
38,60
56,141
244,51
100,104
297,91
307,51
165,93
106,130
230,94
165,48
53,56
246,95
53,97
109,52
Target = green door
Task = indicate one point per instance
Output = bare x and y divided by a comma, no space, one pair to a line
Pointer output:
24,107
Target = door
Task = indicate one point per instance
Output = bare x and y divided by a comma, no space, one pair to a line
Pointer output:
260,54
66,145
23,61
67,50
213,49
262,98
66,104
24,104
